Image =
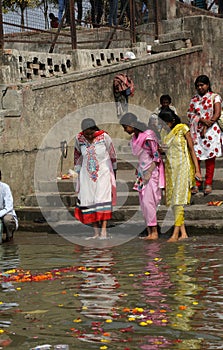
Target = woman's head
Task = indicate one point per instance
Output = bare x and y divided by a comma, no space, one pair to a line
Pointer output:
131,124
202,84
169,117
89,127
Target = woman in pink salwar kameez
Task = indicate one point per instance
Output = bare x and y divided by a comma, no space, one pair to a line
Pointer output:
150,171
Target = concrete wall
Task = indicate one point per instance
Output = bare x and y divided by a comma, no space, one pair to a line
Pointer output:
50,111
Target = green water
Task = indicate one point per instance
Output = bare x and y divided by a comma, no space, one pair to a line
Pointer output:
139,295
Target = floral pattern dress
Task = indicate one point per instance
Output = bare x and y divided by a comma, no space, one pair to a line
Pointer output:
96,185
208,146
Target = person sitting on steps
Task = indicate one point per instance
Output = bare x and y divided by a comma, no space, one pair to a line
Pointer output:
8,217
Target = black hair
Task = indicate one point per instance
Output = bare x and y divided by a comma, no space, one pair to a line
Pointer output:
203,79
131,120
165,97
89,123
168,116
51,15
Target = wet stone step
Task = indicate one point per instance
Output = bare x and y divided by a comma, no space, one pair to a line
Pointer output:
121,214
194,227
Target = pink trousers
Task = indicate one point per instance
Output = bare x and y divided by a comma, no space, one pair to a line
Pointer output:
149,198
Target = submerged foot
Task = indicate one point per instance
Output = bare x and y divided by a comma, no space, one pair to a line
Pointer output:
93,237
103,234
173,239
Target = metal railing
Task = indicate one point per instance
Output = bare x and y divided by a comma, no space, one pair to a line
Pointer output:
34,30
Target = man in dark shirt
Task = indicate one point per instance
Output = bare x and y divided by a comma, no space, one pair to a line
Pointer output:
54,23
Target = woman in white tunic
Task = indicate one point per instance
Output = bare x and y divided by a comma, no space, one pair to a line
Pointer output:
95,161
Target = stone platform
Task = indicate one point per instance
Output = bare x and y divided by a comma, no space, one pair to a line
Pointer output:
48,211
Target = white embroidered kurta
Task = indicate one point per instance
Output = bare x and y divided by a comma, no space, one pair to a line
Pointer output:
96,182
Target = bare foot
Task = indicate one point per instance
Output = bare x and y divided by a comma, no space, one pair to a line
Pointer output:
94,237
151,236
182,238
103,234
173,238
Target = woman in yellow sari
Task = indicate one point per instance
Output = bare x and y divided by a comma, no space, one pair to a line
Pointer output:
181,169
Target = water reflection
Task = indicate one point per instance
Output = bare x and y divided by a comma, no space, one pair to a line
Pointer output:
142,295
98,293
209,274
155,284
184,297
9,259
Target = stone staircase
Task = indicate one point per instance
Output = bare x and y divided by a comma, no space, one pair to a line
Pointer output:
57,208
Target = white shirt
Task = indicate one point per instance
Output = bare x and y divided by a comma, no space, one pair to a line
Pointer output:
6,202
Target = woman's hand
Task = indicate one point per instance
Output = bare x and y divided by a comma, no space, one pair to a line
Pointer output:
198,176
206,122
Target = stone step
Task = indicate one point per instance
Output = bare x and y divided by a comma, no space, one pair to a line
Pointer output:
121,214
69,199
124,182
216,195
127,162
194,227
131,197
125,179
179,35
169,46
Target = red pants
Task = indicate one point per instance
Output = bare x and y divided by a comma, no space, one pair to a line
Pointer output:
210,165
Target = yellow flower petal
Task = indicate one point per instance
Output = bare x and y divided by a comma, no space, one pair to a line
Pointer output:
139,309
131,319
149,321
105,341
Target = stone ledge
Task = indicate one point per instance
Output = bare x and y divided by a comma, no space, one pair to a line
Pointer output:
125,65
164,38
170,46
24,66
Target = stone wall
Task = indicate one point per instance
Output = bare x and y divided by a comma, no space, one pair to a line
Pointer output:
49,111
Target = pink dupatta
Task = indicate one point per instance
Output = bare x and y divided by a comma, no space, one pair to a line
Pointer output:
138,144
